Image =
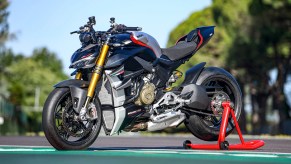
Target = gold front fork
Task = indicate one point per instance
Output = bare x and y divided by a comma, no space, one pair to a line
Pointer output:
78,75
98,70
97,73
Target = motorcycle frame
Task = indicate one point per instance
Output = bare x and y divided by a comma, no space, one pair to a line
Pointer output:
118,96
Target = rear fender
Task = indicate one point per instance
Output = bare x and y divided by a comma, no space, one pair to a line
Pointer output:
193,73
209,71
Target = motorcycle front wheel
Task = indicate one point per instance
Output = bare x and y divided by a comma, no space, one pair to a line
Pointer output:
220,86
60,124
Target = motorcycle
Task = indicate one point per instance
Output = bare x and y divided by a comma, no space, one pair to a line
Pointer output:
137,75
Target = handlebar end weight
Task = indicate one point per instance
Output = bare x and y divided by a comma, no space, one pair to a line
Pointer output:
73,32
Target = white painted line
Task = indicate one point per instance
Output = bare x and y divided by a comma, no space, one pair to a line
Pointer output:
165,151
24,149
254,155
15,149
24,146
202,153
157,152
255,152
155,149
146,151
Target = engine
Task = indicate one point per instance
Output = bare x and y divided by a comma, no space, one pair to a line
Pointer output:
166,110
146,95
145,91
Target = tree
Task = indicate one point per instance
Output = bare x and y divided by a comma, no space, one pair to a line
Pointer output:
4,27
49,60
3,35
272,25
26,75
6,56
42,70
235,17
260,32
20,75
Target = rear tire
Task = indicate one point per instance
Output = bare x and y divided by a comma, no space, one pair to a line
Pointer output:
205,127
75,135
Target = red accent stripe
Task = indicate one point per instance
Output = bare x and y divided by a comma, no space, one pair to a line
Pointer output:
140,43
201,40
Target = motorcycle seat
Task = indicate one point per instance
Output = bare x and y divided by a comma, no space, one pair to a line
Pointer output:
184,47
180,50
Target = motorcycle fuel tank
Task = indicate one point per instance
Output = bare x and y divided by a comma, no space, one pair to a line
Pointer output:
148,40
141,45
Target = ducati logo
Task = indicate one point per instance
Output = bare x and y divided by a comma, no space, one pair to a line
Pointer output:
139,36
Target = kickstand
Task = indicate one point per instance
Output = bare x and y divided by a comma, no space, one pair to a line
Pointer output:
222,144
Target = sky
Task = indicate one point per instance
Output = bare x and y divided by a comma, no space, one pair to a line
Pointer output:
47,23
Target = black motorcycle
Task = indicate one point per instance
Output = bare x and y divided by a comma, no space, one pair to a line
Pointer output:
137,76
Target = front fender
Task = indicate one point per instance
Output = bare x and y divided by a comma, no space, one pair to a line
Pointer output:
78,91
72,82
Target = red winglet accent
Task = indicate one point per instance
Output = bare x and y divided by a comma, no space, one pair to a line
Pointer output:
86,56
201,40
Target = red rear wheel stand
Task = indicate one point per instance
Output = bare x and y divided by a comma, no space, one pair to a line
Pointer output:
222,144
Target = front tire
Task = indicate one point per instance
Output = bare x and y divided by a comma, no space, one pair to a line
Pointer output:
217,82
60,126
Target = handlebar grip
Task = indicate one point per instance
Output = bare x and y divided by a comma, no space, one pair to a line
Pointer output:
74,32
132,28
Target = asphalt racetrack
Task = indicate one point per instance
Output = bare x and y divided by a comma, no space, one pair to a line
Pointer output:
139,150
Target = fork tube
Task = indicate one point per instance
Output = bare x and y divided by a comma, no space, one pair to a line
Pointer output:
78,75
98,70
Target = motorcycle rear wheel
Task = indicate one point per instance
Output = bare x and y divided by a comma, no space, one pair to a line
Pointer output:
216,82
60,126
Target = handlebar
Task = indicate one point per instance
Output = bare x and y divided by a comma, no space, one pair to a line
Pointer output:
119,28
88,34
122,28
132,29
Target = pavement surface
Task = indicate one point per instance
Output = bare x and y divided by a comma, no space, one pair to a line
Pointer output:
138,150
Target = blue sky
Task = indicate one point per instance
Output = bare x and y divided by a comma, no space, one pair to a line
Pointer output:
47,23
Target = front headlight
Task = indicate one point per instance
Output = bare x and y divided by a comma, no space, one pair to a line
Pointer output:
86,62
79,64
